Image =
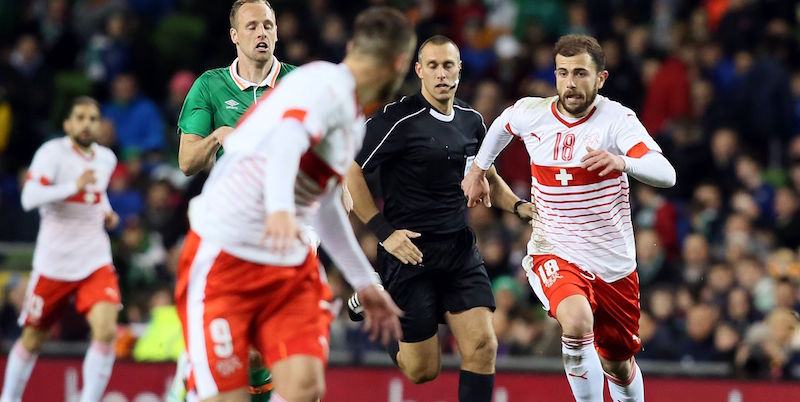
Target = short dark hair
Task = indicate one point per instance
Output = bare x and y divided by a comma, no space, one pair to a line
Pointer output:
434,40
382,32
239,3
82,100
575,44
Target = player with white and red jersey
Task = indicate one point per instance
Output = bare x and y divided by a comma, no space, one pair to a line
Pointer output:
581,259
67,182
251,279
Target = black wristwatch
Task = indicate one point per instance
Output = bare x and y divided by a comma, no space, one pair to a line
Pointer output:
516,208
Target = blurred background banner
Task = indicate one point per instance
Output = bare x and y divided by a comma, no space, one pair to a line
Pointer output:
716,83
59,379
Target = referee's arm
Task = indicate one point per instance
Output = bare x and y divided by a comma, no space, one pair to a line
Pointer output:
395,241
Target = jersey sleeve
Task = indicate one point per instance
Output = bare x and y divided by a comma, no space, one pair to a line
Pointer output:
39,188
497,138
196,114
44,166
632,138
382,141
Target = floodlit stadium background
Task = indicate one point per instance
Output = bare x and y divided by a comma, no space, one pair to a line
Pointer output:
715,82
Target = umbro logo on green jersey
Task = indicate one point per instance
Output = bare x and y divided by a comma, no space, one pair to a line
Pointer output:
231,104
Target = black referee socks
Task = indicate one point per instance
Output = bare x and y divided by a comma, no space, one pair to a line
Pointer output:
473,387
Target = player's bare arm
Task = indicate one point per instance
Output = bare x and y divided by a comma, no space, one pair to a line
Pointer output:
381,314
399,241
196,152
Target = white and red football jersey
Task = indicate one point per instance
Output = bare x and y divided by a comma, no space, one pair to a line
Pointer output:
72,241
583,218
231,209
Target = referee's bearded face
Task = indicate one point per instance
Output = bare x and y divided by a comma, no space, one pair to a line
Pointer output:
83,124
438,68
255,32
577,82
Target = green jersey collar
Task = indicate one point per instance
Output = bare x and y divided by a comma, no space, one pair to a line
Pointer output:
243,84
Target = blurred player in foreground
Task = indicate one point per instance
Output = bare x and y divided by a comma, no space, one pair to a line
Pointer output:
581,259
215,103
246,277
67,181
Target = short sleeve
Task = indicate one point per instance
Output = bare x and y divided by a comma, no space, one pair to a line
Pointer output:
44,166
382,141
196,115
632,138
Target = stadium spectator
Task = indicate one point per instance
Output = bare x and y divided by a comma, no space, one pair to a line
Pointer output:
138,124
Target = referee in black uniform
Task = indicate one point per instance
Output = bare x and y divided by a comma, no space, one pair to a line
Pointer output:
428,261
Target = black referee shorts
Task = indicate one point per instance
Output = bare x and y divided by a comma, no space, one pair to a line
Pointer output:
452,278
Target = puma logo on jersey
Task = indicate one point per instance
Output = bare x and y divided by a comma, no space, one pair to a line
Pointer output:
231,104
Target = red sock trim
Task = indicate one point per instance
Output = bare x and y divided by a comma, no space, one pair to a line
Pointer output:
578,343
620,383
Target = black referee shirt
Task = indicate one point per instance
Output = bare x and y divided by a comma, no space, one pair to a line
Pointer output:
422,155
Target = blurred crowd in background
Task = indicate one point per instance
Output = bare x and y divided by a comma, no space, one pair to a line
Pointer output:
715,83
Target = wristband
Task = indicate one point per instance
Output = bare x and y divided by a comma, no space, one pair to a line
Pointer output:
380,227
516,207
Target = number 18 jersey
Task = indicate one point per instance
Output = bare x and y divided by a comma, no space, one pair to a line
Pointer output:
584,218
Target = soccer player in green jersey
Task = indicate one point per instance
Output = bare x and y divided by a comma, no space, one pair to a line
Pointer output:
215,103
220,96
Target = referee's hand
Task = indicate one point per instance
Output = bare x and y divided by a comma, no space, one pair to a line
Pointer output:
476,187
382,315
399,245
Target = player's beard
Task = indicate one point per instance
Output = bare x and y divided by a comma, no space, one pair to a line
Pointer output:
82,140
581,108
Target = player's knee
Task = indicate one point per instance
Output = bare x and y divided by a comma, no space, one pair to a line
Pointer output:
309,389
576,319
32,339
104,331
254,360
481,351
421,373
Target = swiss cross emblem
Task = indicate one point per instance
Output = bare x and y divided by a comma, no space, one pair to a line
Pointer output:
89,198
563,177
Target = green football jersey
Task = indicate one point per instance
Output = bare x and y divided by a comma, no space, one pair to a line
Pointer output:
220,96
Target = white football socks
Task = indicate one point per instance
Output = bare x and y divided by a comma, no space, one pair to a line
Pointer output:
18,370
582,365
631,391
97,366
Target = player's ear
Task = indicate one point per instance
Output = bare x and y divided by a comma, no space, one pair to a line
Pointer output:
418,69
234,36
603,76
